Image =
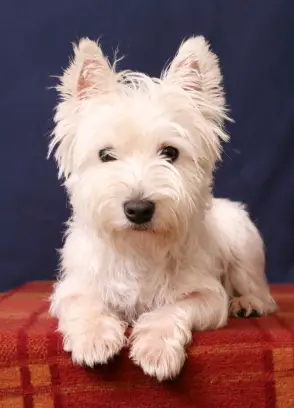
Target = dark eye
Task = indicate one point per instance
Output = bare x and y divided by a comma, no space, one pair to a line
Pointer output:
170,153
106,155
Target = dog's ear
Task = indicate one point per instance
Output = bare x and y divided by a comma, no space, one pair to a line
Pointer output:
89,72
195,68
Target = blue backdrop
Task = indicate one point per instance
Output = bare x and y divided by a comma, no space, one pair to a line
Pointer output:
254,40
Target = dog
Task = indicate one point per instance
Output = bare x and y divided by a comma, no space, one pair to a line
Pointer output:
147,244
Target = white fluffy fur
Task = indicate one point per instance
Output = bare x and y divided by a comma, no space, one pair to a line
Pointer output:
179,273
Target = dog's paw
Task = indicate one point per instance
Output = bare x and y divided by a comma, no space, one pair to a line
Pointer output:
96,342
158,356
250,306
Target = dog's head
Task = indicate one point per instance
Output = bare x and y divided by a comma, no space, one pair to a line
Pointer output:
137,154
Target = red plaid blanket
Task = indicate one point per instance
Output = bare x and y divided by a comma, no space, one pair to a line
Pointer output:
250,363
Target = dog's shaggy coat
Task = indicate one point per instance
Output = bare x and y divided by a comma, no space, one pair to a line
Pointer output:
123,136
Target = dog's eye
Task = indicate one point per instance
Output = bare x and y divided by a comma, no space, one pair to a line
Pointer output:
170,153
106,155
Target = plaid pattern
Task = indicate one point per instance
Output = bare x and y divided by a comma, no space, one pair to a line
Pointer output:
250,363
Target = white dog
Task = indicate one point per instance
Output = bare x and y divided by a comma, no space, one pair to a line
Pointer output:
147,243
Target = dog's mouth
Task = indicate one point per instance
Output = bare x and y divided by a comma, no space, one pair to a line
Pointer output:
141,227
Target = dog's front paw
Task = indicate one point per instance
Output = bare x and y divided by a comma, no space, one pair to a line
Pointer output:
94,342
158,356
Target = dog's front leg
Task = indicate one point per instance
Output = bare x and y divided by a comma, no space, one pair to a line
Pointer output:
159,337
91,331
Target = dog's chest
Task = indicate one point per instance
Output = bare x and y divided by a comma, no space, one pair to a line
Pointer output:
133,288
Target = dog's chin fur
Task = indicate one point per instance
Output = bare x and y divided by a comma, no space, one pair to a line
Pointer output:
179,271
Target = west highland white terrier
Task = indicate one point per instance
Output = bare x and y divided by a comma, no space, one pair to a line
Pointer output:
147,244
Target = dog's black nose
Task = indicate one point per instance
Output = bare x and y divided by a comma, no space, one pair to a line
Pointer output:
139,211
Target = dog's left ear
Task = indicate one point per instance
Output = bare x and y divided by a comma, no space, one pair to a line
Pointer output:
195,68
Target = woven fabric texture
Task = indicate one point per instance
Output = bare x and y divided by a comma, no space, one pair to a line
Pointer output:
250,363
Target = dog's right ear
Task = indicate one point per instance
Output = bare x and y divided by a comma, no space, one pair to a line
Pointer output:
89,72
89,75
